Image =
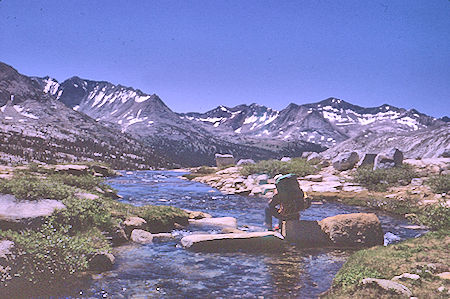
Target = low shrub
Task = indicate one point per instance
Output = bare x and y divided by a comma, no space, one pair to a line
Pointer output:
205,170
86,182
439,183
298,166
394,205
81,214
159,218
381,179
201,171
34,187
51,254
436,216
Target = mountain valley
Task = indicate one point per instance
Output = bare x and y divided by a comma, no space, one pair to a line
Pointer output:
99,120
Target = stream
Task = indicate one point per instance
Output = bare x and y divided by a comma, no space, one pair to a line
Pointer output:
165,270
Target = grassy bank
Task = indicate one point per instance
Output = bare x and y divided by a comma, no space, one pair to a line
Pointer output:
298,166
425,256
63,244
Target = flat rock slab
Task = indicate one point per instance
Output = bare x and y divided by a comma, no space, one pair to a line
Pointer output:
72,169
387,285
13,209
16,214
219,222
249,242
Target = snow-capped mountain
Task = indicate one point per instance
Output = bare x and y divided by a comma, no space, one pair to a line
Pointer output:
34,126
247,131
326,123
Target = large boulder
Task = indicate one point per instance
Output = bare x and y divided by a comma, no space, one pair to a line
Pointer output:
224,160
255,241
245,162
132,223
103,170
102,261
141,236
219,222
369,159
285,159
388,159
314,178
86,195
345,161
305,155
347,230
197,214
305,233
17,214
353,230
313,157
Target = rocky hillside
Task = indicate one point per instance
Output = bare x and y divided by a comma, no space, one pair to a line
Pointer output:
34,126
424,143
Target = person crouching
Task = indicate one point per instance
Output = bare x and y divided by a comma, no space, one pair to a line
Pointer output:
287,203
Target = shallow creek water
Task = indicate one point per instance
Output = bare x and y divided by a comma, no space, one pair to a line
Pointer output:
165,270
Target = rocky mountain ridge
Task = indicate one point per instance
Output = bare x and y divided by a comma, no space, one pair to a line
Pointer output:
35,127
247,131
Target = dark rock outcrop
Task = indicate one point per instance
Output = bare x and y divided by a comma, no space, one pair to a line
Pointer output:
388,159
345,161
102,261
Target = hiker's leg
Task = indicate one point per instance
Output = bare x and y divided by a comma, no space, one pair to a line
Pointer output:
268,218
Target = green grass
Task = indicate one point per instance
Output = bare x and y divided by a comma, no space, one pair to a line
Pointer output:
382,179
411,256
439,183
298,166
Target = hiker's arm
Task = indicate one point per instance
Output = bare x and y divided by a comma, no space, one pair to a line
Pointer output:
274,201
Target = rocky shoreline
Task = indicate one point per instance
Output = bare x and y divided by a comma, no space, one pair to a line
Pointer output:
331,184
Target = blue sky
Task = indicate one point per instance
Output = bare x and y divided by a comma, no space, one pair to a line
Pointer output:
197,55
